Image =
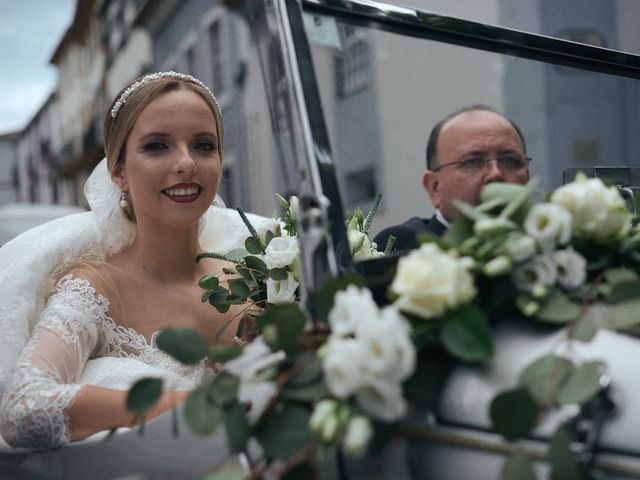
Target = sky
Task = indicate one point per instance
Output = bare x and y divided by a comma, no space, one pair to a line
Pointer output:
30,31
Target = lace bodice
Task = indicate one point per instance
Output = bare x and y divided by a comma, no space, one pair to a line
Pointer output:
74,330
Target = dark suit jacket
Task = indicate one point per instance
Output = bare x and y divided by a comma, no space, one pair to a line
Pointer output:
406,233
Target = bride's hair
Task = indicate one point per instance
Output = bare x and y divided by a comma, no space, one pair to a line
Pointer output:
132,99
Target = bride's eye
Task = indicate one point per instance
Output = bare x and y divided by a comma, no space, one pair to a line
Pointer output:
154,146
206,145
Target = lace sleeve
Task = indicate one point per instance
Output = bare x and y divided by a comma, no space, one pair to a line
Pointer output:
44,381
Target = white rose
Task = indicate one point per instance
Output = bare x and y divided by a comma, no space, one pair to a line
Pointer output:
281,252
350,306
519,247
268,225
386,340
343,366
357,436
430,282
282,291
539,271
255,357
599,212
382,399
549,225
571,268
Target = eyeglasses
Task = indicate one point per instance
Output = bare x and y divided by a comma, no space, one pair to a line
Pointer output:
507,163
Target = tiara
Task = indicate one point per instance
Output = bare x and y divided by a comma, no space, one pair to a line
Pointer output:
156,76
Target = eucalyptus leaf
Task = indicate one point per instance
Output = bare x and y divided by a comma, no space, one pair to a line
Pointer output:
203,416
279,273
253,245
585,329
220,294
558,308
624,315
209,282
305,393
518,467
144,394
564,465
239,288
223,353
623,291
184,344
582,384
224,389
465,334
620,275
268,236
256,264
285,432
236,255
545,376
246,274
461,229
513,413
289,322
232,470
469,211
310,370
237,426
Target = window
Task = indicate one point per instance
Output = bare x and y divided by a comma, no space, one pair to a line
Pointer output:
352,64
218,57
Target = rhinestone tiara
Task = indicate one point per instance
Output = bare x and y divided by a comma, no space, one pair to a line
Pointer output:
156,76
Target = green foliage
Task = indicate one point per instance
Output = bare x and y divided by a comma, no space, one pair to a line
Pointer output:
518,467
183,344
544,376
558,308
287,321
513,413
583,383
465,334
284,443
564,465
144,394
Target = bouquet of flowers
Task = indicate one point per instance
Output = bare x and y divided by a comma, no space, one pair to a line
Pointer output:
344,377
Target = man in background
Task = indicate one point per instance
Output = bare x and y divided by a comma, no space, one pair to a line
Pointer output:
466,150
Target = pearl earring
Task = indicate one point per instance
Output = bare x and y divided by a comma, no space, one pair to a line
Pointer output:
124,202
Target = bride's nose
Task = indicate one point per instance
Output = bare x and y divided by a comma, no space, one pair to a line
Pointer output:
185,163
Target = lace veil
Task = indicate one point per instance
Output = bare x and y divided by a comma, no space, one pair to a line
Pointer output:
31,263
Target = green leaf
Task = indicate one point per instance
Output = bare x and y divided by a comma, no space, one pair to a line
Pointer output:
224,389
289,322
279,273
239,288
305,393
253,245
544,375
231,470
465,334
513,413
223,353
585,329
184,344
219,295
624,315
469,211
583,383
285,432
246,274
461,229
564,465
237,426
202,415
558,308
624,291
621,275
518,467
144,394
256,264
209,282
237,255
310,371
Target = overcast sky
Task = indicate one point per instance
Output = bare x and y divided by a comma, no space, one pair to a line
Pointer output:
30,30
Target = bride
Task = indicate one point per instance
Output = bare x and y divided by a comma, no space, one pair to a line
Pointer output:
129,271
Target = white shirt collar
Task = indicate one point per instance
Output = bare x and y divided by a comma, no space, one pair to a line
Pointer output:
441,219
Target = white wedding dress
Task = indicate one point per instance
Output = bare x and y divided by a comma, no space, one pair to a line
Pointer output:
84,346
